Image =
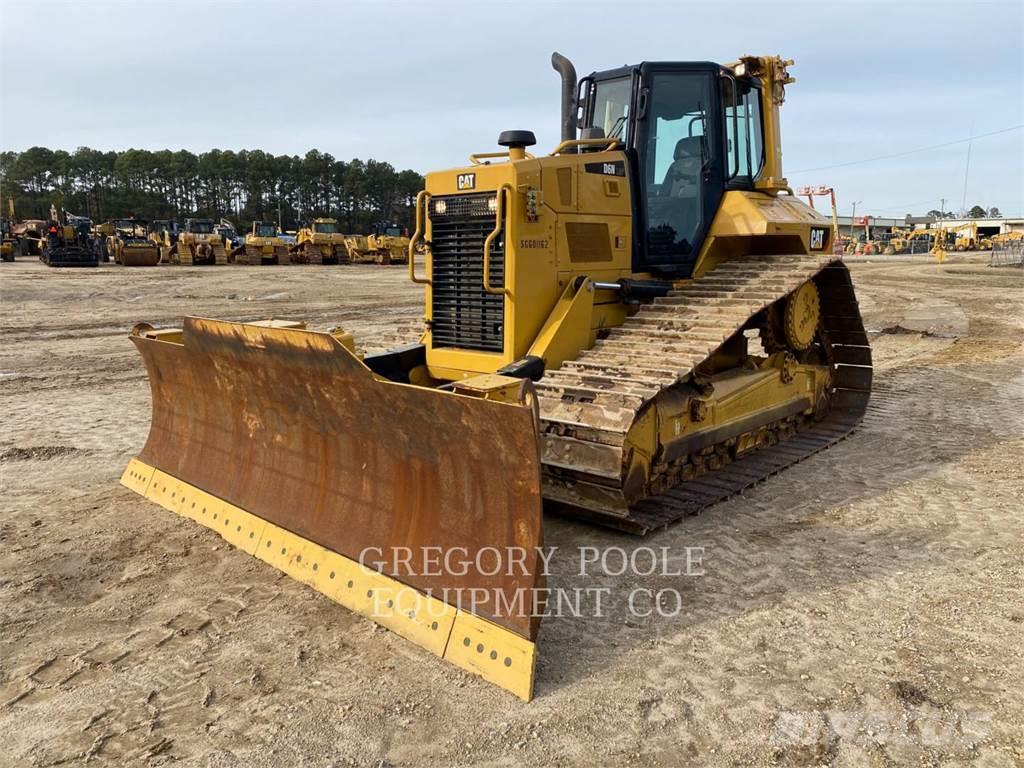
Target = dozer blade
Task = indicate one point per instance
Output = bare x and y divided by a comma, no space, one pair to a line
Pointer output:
418,508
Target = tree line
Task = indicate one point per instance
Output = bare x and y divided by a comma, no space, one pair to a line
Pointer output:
241,186
976,212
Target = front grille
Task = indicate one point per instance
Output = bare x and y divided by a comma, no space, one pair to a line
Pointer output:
464,315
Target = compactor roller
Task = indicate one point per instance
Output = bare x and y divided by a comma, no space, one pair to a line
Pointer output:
632,327
127,242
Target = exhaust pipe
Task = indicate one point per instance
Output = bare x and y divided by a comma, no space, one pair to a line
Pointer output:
567,71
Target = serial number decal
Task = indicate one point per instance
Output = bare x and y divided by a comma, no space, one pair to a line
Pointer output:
525,244
466,181
818,238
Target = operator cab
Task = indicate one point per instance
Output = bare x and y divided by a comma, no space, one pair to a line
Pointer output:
324,227
690,131
265,229
199,226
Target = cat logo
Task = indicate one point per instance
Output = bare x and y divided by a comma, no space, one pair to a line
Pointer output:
466,181
818,238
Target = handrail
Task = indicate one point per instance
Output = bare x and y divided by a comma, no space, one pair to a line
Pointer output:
499,221
417,236
611,144
476,157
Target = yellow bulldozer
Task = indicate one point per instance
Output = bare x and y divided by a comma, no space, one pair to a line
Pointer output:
163,233
386,244
634,326
199,243
127,242
263,245
320,242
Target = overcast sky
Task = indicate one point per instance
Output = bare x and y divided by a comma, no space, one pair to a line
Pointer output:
421,85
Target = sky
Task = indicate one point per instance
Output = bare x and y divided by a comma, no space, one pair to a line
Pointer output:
422,85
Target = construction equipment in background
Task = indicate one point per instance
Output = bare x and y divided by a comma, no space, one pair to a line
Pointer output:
69,244
386,244
635,326
895,242
263,245
320,242
199,244
163,233
229,234
127,242
28,236
965,237
9,241
1007,249
824,191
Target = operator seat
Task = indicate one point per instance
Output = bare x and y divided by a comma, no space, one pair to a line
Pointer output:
683,175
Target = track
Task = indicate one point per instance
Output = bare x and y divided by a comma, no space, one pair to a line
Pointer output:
589,405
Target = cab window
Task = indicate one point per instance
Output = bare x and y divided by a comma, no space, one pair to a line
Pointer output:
744,141
676,157
610,110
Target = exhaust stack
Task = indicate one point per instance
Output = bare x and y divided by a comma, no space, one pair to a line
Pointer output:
567,71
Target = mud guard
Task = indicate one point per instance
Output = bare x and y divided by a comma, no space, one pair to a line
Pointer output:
418,508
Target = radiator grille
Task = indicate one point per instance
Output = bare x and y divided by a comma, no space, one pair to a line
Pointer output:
464,315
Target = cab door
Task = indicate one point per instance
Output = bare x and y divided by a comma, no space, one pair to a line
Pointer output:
677,141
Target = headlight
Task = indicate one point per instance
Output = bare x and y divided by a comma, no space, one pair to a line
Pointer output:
440,206
492,204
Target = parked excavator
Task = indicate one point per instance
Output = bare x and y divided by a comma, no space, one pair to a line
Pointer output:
628,329
320,242
263,245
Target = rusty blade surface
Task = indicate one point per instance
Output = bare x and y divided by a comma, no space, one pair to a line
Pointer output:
291,427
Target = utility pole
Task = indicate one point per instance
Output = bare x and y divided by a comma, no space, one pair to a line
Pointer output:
942,207
967,169
854,215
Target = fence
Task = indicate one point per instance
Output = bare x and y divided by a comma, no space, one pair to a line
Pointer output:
1009,253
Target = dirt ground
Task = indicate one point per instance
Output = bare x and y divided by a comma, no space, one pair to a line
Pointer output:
863,608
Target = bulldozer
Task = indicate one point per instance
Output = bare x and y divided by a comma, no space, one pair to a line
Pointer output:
386,244
263,245
127,242
628,329
163,233
198,243
320,242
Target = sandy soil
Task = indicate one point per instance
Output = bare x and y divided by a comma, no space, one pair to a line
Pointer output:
863,608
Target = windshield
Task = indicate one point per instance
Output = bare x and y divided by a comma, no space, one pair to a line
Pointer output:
610,112
201,227
324,227
266,230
